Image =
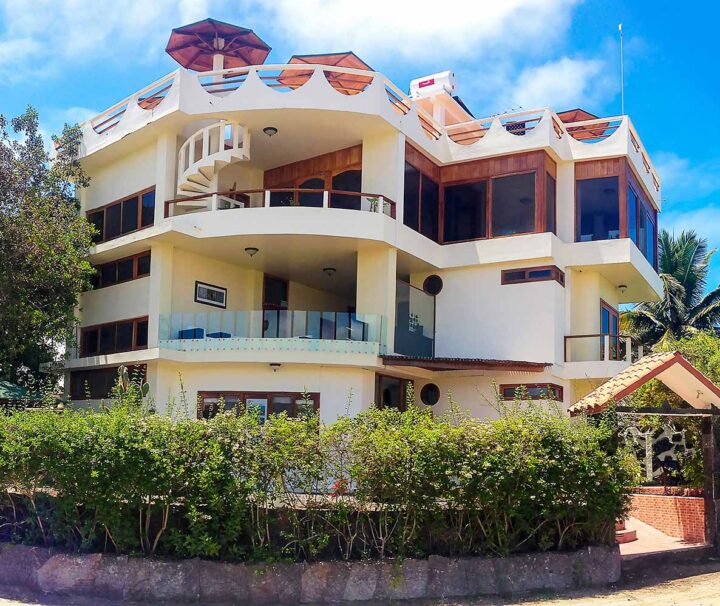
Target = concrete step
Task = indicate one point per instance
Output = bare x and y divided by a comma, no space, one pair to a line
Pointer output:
625,536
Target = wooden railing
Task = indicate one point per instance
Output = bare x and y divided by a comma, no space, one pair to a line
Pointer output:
602,347
282,197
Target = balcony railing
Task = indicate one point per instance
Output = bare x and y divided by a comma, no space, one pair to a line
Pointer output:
286,329
281,197
602,347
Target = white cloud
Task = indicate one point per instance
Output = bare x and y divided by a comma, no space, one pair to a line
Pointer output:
682,180
562,84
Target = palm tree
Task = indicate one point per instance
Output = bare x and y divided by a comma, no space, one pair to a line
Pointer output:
684,308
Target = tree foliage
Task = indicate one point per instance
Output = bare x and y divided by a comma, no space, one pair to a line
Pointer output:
43,242
684,308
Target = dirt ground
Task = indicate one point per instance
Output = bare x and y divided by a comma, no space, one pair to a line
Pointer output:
672,585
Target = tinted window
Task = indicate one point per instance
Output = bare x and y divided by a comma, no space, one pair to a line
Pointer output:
148,209
97,219
411,198
108,274
124,339
125,270
550,205
141,337
598,209
350,180
465,212
632,215
112,221
107,338
429,208
143,267
90,342
513,204
129,215
314,199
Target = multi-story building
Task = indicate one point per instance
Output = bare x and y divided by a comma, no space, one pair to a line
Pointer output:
270,231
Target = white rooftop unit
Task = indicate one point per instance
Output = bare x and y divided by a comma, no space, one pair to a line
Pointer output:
427,86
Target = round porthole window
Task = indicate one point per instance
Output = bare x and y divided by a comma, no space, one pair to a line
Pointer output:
430,394
433,285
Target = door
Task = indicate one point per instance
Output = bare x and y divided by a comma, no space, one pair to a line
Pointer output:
276,321
609,325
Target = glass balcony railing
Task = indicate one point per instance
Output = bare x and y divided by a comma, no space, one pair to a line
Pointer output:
414,321
289,329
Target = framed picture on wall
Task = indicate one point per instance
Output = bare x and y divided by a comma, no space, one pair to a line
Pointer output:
210,295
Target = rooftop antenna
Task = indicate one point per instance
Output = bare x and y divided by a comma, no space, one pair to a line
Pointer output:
622,73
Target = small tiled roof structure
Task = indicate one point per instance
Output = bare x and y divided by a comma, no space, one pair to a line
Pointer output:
669,367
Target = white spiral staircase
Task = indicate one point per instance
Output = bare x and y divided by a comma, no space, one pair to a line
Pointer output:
208,151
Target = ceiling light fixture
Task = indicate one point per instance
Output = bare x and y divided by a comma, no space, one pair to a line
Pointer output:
622,288
329,271
252,251
275,366
270,131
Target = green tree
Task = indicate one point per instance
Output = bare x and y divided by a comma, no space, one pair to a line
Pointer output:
684,308
43,242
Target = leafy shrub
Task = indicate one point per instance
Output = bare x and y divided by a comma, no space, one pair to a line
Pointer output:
382,484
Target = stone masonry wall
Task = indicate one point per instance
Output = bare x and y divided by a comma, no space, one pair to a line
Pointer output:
204,582
679,517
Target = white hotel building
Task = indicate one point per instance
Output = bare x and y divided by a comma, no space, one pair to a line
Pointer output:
272,230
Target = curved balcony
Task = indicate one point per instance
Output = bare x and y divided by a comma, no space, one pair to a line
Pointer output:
281,197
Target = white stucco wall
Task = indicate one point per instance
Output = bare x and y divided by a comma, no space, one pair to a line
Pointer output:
118,302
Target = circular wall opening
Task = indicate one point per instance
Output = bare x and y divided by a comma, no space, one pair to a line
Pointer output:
433,285
430,394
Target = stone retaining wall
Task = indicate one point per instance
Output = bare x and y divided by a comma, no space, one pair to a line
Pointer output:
204,582
679,517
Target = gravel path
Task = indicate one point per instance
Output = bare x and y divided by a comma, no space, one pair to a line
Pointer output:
675,585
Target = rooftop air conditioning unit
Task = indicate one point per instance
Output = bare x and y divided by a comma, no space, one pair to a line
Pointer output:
428,86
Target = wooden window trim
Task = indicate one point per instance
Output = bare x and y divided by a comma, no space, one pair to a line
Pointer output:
105,207
135,276
558,390
558,275
74,374
243,395
85,329
404,382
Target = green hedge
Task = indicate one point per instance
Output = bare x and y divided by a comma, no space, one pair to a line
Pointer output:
383,484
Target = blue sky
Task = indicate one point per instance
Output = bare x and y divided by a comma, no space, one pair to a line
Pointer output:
73,58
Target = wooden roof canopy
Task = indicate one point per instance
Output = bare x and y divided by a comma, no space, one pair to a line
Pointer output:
583,132
210,44
349,84
671,368
450,364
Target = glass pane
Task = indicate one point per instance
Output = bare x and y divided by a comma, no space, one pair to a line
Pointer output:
465,211
280,404
231,403
414,321
350,180
550,204
313,324
270,323
125,270
143,268
598,209
97,219
391,393
112,221
513,204
124,336
327,325
632,215
129,215
429,208
314,199
276,292
541,274
141,337
411,198
282,198
258,405
107,339
90,342
148,209
108,274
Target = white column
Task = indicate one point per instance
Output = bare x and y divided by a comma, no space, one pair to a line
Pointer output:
376,279
165,173
160,289
383,167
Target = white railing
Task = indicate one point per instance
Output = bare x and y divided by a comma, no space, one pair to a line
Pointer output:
224,136
516,123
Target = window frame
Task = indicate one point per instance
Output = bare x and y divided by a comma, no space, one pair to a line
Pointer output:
79,373
404,383
86,329
244,395
558,275
119,202
136,276
558,391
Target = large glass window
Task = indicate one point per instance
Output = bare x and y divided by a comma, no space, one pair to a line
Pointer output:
391,392
119,218
513,204
633,205
648,234
598,209
550,205
429,208
98,383
313,199
147,216
411,198
210,403
122,270
349,180
114,337
464,213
